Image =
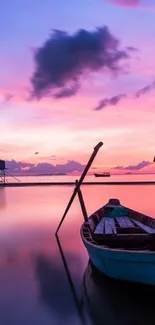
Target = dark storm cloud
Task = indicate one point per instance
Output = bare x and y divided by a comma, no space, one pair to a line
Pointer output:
62,61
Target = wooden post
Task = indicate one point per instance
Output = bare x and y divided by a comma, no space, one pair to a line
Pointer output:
91,159
83,207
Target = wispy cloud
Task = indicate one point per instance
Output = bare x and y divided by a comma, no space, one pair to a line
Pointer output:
139,166
132,49
116,99
62,61
109,101
145,90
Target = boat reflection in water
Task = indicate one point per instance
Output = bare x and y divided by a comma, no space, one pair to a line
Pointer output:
111,301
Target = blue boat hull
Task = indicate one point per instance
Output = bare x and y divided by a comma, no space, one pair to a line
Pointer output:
133,266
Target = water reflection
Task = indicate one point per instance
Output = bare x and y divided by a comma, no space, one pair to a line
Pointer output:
52,285
112,301
2,198
34,287
78,304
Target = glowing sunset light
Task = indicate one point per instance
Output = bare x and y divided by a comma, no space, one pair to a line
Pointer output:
62,119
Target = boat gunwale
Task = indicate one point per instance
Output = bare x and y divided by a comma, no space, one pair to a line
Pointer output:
120,250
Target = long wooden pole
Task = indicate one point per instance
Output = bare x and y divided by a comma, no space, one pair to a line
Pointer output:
96,149
83,207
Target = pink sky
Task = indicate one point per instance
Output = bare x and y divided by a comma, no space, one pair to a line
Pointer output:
70,127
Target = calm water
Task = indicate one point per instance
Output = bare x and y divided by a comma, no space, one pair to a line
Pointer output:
34,285
88,178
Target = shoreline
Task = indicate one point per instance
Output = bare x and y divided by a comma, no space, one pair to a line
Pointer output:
25,184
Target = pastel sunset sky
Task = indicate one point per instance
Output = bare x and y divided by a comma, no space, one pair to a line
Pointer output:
60,94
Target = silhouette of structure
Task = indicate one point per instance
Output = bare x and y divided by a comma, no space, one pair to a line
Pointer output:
4,173
2,170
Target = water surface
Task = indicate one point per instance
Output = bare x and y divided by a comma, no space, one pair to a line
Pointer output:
33,281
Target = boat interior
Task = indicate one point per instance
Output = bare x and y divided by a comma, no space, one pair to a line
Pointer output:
116,226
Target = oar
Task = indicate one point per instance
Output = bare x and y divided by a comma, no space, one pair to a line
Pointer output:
96,149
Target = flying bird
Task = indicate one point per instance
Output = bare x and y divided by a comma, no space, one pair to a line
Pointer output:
36,153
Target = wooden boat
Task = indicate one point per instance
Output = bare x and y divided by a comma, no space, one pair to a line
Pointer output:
105,174
111,301
121,243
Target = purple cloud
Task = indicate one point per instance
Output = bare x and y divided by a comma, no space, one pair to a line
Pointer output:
20,168
14,165
62,61
139,166
132,49
109,101
116,99
145,90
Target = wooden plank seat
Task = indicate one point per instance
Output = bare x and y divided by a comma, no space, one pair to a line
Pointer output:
106,233
108,230
125,222
106,227
147,229
111,221
99,230
126,226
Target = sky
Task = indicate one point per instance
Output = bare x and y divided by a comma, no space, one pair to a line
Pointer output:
74,73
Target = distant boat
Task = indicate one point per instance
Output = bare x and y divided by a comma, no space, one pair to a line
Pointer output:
105,174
